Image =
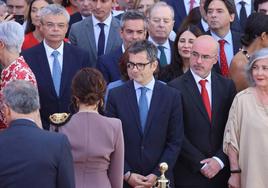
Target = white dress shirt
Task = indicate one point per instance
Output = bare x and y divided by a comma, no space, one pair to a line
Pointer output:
248,7
187,5
97,29
167,49
50,57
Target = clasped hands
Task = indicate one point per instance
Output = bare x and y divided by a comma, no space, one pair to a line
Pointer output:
140,181
210,168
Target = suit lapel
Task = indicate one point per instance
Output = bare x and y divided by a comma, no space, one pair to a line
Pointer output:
44,68
154,106
66,67
133,105
215,96
112,34
91,35
196,96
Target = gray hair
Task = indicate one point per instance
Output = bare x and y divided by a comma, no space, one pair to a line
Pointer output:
132,15
21,96
144,45
161,4
258,55
54,9
12,35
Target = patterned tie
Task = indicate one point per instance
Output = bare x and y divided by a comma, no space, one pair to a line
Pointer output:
243,15
163,58
205,98
191,2
223,59
101,41
143,107
56,72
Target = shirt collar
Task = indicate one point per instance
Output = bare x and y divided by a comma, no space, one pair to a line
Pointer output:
227,37
246,1
150,85
106,22
49,50
198,78
166,44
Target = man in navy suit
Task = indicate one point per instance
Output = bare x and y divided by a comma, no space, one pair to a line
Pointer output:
151,116
54,73
206,98
160,24
133,28
30,156
220,14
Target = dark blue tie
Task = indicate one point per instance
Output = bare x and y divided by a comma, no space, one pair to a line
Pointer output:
101,41
143,107
163,58
243,15
56,72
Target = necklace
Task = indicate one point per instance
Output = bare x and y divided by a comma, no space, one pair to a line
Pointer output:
245,52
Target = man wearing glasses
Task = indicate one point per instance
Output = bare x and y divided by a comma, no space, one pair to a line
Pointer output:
207,97
151,115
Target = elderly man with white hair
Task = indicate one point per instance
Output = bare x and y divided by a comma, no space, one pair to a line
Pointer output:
14,65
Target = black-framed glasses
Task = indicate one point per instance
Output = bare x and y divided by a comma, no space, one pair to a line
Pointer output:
196,55
139,66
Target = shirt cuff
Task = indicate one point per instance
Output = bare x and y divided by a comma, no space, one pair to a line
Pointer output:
219,161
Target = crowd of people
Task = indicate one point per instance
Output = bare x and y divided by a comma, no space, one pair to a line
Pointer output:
132,84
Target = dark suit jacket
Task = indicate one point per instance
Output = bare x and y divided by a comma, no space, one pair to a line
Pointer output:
202,138
108,65
74,59
236,45
179,10
31,157
162,137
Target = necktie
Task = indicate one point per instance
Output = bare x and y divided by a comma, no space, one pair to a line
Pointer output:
56,72
143,107
223,60
191,5
163,58
101,41
243,15
205,98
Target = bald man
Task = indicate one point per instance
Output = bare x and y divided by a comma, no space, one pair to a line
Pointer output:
207,97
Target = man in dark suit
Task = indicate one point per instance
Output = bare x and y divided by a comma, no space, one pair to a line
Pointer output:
54,72
133,28
153,133
98,34
30,156
160,24
207,97
220,14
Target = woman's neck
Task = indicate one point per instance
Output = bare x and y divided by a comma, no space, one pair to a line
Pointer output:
37,34
9,58
88,108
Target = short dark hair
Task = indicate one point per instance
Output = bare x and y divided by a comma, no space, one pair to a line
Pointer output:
257,2
228,3
144,45
132,15
88,86
256,24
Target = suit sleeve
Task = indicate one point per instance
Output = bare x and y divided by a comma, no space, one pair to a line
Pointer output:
174,135
72,36
115,171
110,111
65,176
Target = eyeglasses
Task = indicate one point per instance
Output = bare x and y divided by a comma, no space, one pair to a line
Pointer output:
139,66
51,25
206,58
